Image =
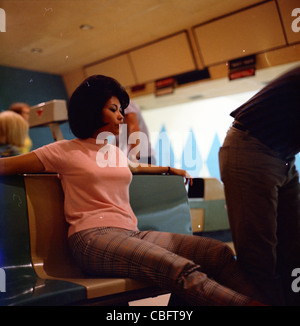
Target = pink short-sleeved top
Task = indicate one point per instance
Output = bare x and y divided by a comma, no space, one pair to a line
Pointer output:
95,182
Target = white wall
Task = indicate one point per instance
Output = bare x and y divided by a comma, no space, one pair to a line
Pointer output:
189,135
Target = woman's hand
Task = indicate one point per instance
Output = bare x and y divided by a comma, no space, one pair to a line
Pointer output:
183,173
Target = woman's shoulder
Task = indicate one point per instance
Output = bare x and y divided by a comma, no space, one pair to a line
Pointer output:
60,143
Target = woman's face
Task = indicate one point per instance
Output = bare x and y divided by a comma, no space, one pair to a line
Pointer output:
112,116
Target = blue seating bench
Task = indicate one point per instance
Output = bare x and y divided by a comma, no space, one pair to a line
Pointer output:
34,254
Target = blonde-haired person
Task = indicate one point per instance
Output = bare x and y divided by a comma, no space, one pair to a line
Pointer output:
13,132
23,109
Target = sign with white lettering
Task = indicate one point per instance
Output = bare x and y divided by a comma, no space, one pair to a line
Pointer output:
242,67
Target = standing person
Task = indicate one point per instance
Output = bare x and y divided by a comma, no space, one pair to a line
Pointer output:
13,132
257,163
24,110
103,233
138,148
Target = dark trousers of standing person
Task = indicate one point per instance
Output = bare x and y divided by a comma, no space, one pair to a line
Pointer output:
263,202
200,271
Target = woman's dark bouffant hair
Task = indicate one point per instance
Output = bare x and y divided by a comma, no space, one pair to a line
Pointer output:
87,101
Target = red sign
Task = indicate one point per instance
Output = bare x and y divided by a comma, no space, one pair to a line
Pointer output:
39,112
241,73
164,82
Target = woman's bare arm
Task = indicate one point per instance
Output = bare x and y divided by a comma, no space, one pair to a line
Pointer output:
26,163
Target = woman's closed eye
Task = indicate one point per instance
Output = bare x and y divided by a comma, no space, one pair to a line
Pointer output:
114,109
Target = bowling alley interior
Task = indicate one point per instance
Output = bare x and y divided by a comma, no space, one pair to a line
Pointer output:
186,65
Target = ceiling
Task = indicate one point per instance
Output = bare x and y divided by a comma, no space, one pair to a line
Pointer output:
45,35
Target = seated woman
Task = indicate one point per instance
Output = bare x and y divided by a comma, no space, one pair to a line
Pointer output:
103,233
13,132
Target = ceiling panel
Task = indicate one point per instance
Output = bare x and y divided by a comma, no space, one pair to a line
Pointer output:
259,29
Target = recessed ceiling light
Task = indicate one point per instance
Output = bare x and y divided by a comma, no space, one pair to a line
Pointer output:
36,50
86,27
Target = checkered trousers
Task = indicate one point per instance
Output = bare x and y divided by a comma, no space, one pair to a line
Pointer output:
200,270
